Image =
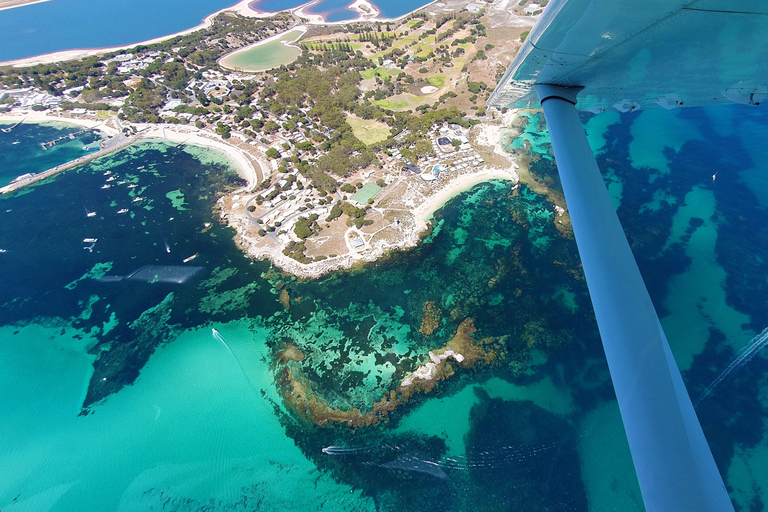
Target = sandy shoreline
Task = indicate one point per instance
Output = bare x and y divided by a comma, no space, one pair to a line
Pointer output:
45,117
197,137
257,248
458,185
168,132
366,10
241,162
240,8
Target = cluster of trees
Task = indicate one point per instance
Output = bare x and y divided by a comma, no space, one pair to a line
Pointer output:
476,87
325,47
305,226
356,215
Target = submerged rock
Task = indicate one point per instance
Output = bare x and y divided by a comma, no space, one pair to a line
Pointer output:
285,299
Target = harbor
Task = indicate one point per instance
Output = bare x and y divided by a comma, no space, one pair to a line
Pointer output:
69,136
109,146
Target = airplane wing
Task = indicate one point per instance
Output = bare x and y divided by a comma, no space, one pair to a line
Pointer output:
597,55
650,54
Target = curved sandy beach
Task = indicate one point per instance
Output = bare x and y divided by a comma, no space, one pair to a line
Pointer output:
458,185
168,132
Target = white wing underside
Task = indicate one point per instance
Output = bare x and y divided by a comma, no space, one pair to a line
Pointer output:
631,54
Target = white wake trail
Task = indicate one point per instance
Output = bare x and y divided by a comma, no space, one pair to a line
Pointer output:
755,345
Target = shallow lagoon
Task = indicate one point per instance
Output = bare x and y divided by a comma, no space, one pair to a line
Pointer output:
264,56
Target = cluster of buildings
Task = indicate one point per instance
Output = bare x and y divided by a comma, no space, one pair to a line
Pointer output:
129,63
30,96
447,157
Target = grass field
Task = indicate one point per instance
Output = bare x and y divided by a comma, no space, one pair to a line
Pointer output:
368,131
370,73
437,81
422,50
391,105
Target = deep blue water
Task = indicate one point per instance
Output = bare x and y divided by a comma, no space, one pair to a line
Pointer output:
72,24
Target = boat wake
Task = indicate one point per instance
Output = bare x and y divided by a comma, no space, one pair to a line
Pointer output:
739,361
218,337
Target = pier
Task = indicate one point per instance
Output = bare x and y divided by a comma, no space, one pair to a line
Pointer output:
70,136
110,146
8,130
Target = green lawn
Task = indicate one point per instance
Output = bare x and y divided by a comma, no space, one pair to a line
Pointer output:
370,73
437,81
369,131
423,50
391,105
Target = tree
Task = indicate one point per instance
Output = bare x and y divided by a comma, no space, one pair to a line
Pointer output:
273,153
270,127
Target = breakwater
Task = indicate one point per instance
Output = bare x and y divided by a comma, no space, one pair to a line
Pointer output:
110,146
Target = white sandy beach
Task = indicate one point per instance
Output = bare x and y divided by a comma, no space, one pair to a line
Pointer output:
168,132
457,186
197,137
45,117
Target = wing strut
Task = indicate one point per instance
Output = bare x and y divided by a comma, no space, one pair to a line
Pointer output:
674,465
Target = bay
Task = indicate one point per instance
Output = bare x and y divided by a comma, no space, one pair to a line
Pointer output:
198,420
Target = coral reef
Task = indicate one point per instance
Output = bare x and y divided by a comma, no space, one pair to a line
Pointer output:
430,319
289,352
462,350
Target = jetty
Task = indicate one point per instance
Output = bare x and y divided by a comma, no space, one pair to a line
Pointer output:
8,130
112,145
70,136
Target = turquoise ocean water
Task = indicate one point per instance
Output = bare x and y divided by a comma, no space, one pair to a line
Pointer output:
117,395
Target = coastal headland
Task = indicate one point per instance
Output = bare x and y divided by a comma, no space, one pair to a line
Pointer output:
348,154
